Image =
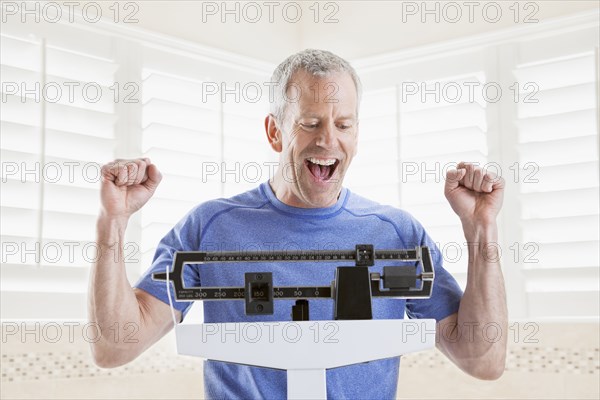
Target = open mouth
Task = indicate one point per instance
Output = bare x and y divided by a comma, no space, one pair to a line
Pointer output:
322,169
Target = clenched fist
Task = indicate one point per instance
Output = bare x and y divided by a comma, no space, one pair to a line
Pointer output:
474,194
127,185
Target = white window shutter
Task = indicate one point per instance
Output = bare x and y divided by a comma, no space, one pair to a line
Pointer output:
374,172
63,135
197,138
558,182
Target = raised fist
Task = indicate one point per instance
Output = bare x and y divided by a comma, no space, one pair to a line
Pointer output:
127,185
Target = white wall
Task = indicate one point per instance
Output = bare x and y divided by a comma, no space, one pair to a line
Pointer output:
365,27
368,28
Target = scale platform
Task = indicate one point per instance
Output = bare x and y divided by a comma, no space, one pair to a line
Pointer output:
305,348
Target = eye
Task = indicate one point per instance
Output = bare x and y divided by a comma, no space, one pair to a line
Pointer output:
310,126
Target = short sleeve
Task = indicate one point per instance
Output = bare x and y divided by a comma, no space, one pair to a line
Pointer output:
185,236
446,294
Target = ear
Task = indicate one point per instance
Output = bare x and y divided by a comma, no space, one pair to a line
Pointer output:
273,133
356,137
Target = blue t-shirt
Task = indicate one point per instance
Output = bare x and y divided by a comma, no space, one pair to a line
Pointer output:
257,220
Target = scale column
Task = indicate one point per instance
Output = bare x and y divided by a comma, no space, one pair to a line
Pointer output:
306,384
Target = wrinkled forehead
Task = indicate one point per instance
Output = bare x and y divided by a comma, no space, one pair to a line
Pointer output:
312,92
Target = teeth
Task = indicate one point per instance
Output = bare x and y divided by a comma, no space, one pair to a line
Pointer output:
328,161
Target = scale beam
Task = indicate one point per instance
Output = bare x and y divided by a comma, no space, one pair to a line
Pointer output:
362,256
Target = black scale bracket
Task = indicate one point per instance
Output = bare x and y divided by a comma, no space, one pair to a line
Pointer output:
352,290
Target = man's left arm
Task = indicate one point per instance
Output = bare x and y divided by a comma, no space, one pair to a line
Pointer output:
475,337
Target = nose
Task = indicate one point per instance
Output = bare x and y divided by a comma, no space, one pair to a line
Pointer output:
326,136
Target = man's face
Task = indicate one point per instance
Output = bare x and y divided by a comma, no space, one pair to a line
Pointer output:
318,138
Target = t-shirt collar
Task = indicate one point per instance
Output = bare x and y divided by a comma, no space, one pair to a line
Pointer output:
307,212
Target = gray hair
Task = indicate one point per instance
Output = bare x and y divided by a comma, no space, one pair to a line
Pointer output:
319,63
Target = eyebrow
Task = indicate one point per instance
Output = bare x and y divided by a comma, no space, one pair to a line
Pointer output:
313,115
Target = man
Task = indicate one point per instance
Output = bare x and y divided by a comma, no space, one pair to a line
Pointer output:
313,125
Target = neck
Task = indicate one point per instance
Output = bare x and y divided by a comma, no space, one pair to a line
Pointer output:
284,192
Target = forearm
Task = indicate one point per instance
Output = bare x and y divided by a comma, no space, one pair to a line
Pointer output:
482,317
112,301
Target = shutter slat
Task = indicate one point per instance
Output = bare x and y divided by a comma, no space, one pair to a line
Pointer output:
56,171
580,68
375,128
561,100
535,179
450,141
385,149
22,111
171,138
246,151
19,53
19,222
176,187
70,65
179,90
28,279
238,126
560,203
69,226
20,138
561,230
76,120
161,210
561,151
378,103
180,162
557,126
561,256
19,194
444,118
179,115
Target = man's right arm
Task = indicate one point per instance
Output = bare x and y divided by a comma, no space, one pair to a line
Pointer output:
112,303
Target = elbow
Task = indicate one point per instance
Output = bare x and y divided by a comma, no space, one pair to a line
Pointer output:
490,372
104,363
491,375
102,359
485,364
106,358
